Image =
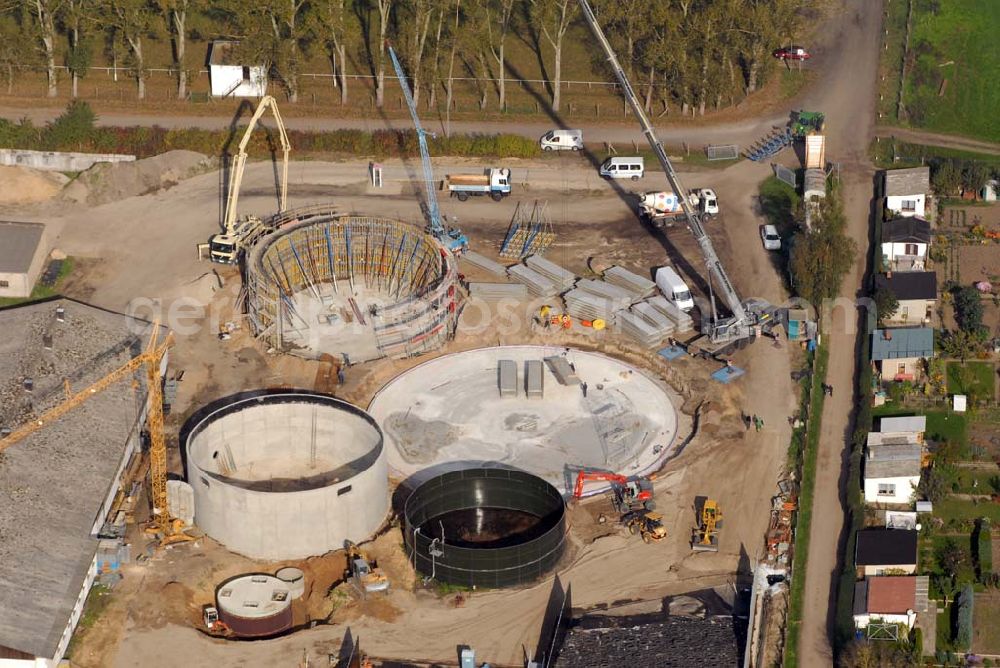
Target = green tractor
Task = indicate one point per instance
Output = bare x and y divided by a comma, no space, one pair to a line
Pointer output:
804,122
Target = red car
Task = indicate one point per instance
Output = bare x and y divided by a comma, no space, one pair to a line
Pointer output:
792,53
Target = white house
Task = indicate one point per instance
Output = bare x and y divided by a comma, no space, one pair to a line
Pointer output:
892,473
904,243
906,190
890,600
230,77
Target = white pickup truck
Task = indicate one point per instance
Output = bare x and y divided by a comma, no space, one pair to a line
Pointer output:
663,208
494,182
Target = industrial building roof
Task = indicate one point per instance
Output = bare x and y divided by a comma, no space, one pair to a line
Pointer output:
902,342
912,181
600,641
55,481
906,229
903,424
908,285
18,245
886,547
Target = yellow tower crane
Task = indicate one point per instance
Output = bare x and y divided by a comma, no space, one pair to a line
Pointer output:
150,358
226,247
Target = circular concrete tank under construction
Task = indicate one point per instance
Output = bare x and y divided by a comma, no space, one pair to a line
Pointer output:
525,407
485,527
286,474
352,287
255,606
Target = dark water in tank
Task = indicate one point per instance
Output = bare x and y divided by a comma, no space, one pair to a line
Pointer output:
487,527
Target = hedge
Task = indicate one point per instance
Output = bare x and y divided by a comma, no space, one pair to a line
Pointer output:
963,618
983,551
74,130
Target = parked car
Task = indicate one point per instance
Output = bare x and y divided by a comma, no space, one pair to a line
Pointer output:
792,52
770,237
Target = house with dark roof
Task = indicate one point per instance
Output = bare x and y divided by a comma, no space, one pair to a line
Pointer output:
906,190
916,292
23,250
890,599
899,354
881,551
905,240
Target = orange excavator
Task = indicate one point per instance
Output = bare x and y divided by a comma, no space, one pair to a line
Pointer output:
628,494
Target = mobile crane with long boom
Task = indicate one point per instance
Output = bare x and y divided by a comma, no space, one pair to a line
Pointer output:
226,247
747,316
452,239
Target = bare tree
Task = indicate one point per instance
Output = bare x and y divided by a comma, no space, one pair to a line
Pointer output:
420,24
131,19
175,13
44,13
286,18
496,15
555,17
336,32
451,68
384,11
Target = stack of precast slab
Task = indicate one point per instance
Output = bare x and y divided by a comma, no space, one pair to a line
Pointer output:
484,263
538,285
682,321
593,300
644,323
493,292
563,279
627,280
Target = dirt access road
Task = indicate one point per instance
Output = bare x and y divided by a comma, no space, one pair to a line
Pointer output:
850,112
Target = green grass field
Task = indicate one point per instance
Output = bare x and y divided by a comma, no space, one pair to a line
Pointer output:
980,382
985,629
952,65
941,425
960,509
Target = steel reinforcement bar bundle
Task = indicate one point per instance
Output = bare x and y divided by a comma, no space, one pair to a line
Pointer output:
406,265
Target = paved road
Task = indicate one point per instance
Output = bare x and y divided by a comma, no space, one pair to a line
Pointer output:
742,132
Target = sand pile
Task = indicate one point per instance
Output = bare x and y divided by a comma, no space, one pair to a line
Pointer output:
23,185
110,182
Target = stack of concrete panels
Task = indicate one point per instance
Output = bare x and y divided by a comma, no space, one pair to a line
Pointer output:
636,327
654,317
484,263
537,284
534,387
682,321
560,368
634,283
588,306
562,278
492,292
507,378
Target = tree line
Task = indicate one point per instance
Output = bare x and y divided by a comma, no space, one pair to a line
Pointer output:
685,55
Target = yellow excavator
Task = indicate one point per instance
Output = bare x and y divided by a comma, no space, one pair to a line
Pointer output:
706,537
226,247
363,572
170,530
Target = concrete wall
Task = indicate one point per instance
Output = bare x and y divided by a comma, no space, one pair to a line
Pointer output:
904,489
908,569
287,524
58,161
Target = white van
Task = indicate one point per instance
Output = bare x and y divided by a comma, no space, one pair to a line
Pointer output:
562,140
674,288
623,168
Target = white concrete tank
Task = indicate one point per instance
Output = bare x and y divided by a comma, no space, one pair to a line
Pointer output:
294,578
255,605
286,474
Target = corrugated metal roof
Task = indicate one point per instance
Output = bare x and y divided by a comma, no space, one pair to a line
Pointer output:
903,423
902,342
892,468
18,245
912,181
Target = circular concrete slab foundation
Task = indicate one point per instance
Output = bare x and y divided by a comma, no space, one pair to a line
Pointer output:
448,414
